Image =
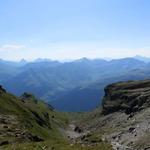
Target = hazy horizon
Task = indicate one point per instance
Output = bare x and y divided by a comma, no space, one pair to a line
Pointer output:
139,57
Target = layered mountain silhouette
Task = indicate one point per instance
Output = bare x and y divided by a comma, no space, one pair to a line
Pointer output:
70,86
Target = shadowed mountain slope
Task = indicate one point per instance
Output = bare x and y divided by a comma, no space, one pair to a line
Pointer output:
72,83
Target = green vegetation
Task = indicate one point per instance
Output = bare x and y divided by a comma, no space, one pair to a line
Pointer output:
30,117
28,123
56,145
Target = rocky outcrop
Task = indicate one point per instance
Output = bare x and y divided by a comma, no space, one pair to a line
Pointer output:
2,89
128,97
28,96
124,119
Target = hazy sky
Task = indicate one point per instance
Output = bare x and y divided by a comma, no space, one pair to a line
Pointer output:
68,29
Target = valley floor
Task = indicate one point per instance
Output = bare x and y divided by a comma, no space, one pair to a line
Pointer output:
68,137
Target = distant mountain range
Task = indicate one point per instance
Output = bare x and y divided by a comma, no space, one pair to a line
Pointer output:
71,86
142,58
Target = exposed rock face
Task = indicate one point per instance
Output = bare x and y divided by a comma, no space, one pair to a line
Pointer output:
2,89
124,120
128,97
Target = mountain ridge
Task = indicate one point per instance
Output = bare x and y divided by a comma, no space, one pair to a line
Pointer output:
54,81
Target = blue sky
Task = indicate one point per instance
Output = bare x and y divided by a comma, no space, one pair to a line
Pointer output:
70,29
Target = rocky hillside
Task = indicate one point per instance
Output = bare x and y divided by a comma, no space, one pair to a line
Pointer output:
27,119
124,119
28,123
128,97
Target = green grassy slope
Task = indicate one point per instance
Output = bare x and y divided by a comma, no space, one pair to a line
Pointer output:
32,116
28,123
